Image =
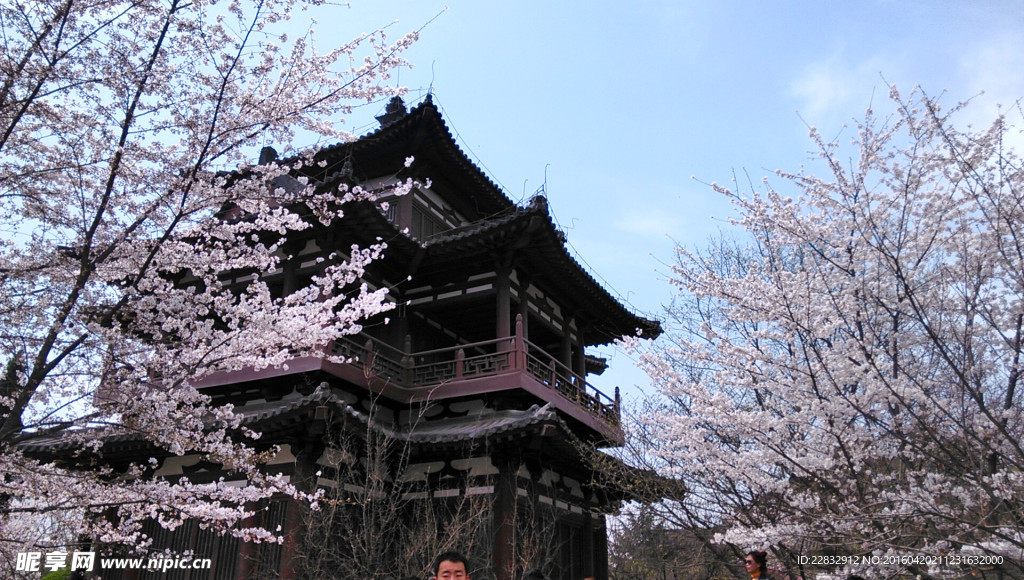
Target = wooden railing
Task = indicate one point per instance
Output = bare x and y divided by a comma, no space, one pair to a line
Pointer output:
555,375
373,356
478,359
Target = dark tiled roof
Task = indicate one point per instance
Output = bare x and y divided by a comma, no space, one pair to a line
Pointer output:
539,240
423,134
449,430
295,410
498,223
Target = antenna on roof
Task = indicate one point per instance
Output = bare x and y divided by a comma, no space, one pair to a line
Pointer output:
543,189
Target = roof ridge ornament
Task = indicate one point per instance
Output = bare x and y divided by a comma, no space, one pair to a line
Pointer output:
392,113
268,155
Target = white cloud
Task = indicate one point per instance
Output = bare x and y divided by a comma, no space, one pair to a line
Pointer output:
832,90
650,223
994,65
820,90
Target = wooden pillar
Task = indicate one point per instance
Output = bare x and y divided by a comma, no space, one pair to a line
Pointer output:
291,281
248,554
291,551
580,364
304,478
601,549
400,324
503,306
524,303
403,212
290,266
566,354
505,491
408,372
589,554
521,349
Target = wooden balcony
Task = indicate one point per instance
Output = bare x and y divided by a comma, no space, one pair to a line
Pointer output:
505,364
492,358
511,364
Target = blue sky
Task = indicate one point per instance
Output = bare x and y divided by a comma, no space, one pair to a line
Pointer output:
622,102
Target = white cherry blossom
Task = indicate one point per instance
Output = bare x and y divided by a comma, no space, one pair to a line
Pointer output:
119,124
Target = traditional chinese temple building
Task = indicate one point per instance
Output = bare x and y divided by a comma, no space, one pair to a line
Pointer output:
481,370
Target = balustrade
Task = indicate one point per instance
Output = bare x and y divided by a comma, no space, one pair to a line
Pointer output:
490,358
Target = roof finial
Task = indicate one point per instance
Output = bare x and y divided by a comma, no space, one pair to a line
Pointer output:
393,112
268,155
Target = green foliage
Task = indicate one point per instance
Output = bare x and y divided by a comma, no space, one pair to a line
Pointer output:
62,574
645,546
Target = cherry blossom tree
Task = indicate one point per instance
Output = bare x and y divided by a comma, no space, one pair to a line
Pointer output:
844,380
121,125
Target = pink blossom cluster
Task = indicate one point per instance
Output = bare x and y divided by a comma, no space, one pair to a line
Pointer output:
118,121
845,373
